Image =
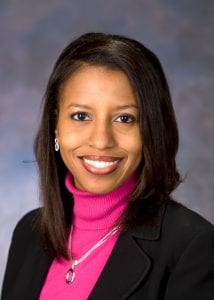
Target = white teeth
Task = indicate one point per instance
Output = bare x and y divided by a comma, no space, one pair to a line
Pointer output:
100,164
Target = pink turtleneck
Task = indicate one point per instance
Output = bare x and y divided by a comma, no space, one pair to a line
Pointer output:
93,216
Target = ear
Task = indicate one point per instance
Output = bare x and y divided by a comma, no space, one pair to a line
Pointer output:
56,133
56,123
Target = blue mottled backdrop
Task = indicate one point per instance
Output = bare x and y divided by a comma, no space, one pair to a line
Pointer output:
32,34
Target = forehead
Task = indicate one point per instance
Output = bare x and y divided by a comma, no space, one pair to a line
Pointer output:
91,82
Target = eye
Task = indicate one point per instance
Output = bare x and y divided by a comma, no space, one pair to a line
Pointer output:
80,116
125,119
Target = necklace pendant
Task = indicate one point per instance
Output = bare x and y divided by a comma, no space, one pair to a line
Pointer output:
70,276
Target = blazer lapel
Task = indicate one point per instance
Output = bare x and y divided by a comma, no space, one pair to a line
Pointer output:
126,268
128,264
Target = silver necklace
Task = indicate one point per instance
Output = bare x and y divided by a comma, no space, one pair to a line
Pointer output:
70,274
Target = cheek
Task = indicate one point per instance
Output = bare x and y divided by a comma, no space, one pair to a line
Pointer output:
137,154
133,148
68,143
137,150
136,145
68,138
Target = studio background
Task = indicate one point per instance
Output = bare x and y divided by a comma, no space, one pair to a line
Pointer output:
32,35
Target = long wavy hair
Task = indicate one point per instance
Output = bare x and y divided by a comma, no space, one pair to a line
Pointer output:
158,173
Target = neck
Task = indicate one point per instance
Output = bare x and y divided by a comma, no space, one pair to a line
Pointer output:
98,212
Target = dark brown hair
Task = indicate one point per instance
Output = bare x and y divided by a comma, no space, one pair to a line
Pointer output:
158,173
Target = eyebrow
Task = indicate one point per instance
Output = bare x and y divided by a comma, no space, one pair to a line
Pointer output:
118,107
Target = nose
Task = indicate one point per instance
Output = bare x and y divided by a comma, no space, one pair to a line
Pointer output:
102,136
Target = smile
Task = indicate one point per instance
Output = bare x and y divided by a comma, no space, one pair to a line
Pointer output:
100,165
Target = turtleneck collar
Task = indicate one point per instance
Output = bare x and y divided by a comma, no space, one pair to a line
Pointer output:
97,212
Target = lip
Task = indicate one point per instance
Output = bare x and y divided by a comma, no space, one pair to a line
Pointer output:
100,165
101,158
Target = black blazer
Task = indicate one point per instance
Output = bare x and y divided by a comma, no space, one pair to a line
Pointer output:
173,261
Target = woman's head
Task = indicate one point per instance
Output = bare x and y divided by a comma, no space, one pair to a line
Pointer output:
142,68
98,128
116,60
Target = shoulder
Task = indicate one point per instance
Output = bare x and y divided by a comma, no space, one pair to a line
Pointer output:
184,231
26,226
182,246
29,218
183,221
176,229
187,246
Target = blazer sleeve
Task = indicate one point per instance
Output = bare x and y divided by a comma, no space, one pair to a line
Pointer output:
193,275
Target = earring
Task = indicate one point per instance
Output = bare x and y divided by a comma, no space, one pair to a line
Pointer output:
56,144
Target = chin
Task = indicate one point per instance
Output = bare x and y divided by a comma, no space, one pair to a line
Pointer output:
97,188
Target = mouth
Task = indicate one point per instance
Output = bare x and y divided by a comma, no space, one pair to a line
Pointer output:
100,165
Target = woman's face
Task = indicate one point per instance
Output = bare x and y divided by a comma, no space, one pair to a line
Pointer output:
98,129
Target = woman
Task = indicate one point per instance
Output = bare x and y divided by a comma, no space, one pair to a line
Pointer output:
106,148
